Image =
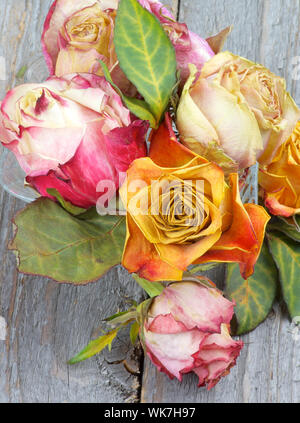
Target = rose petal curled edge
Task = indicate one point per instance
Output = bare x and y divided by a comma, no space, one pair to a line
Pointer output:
154,261
197,319
253,219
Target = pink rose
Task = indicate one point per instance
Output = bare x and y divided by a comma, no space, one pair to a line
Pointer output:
71,133
187,330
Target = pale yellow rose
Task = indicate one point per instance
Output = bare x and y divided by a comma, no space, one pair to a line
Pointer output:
237,112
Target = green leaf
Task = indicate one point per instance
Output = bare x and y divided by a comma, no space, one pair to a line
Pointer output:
117,316
138,107
254,297
288,227
286,254
52,243
108,77
146,55
65,204
153,289
202,267
95,347
91,215
134,332
122,319
22,72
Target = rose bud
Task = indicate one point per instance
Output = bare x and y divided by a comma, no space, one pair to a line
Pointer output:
236,113
280,180
187,330
70,134
180,211
189,47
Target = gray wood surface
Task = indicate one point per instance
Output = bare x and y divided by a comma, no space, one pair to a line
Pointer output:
48,323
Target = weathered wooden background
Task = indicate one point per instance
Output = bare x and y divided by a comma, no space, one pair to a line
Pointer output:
48,323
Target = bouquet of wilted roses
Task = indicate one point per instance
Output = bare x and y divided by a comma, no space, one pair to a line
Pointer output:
139,144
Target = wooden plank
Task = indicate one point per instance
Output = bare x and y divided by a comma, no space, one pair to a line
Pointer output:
48,323
174,5
268,370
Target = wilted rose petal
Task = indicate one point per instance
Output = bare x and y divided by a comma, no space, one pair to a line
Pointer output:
187,330
235,113
78,34
280,180
191,225
189,47
70,134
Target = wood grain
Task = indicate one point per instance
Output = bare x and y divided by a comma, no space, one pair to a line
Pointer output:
49,323
268,369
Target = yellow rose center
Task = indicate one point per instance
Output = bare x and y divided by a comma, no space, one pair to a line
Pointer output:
260,89
269,94
34,103
90,27
87,32
179,210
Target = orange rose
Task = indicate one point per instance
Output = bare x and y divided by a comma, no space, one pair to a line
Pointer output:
167,230
280,180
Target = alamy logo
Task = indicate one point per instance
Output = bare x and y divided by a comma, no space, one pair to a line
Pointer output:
172,201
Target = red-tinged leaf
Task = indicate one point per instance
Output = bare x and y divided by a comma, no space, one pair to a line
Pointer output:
254,297
52,243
